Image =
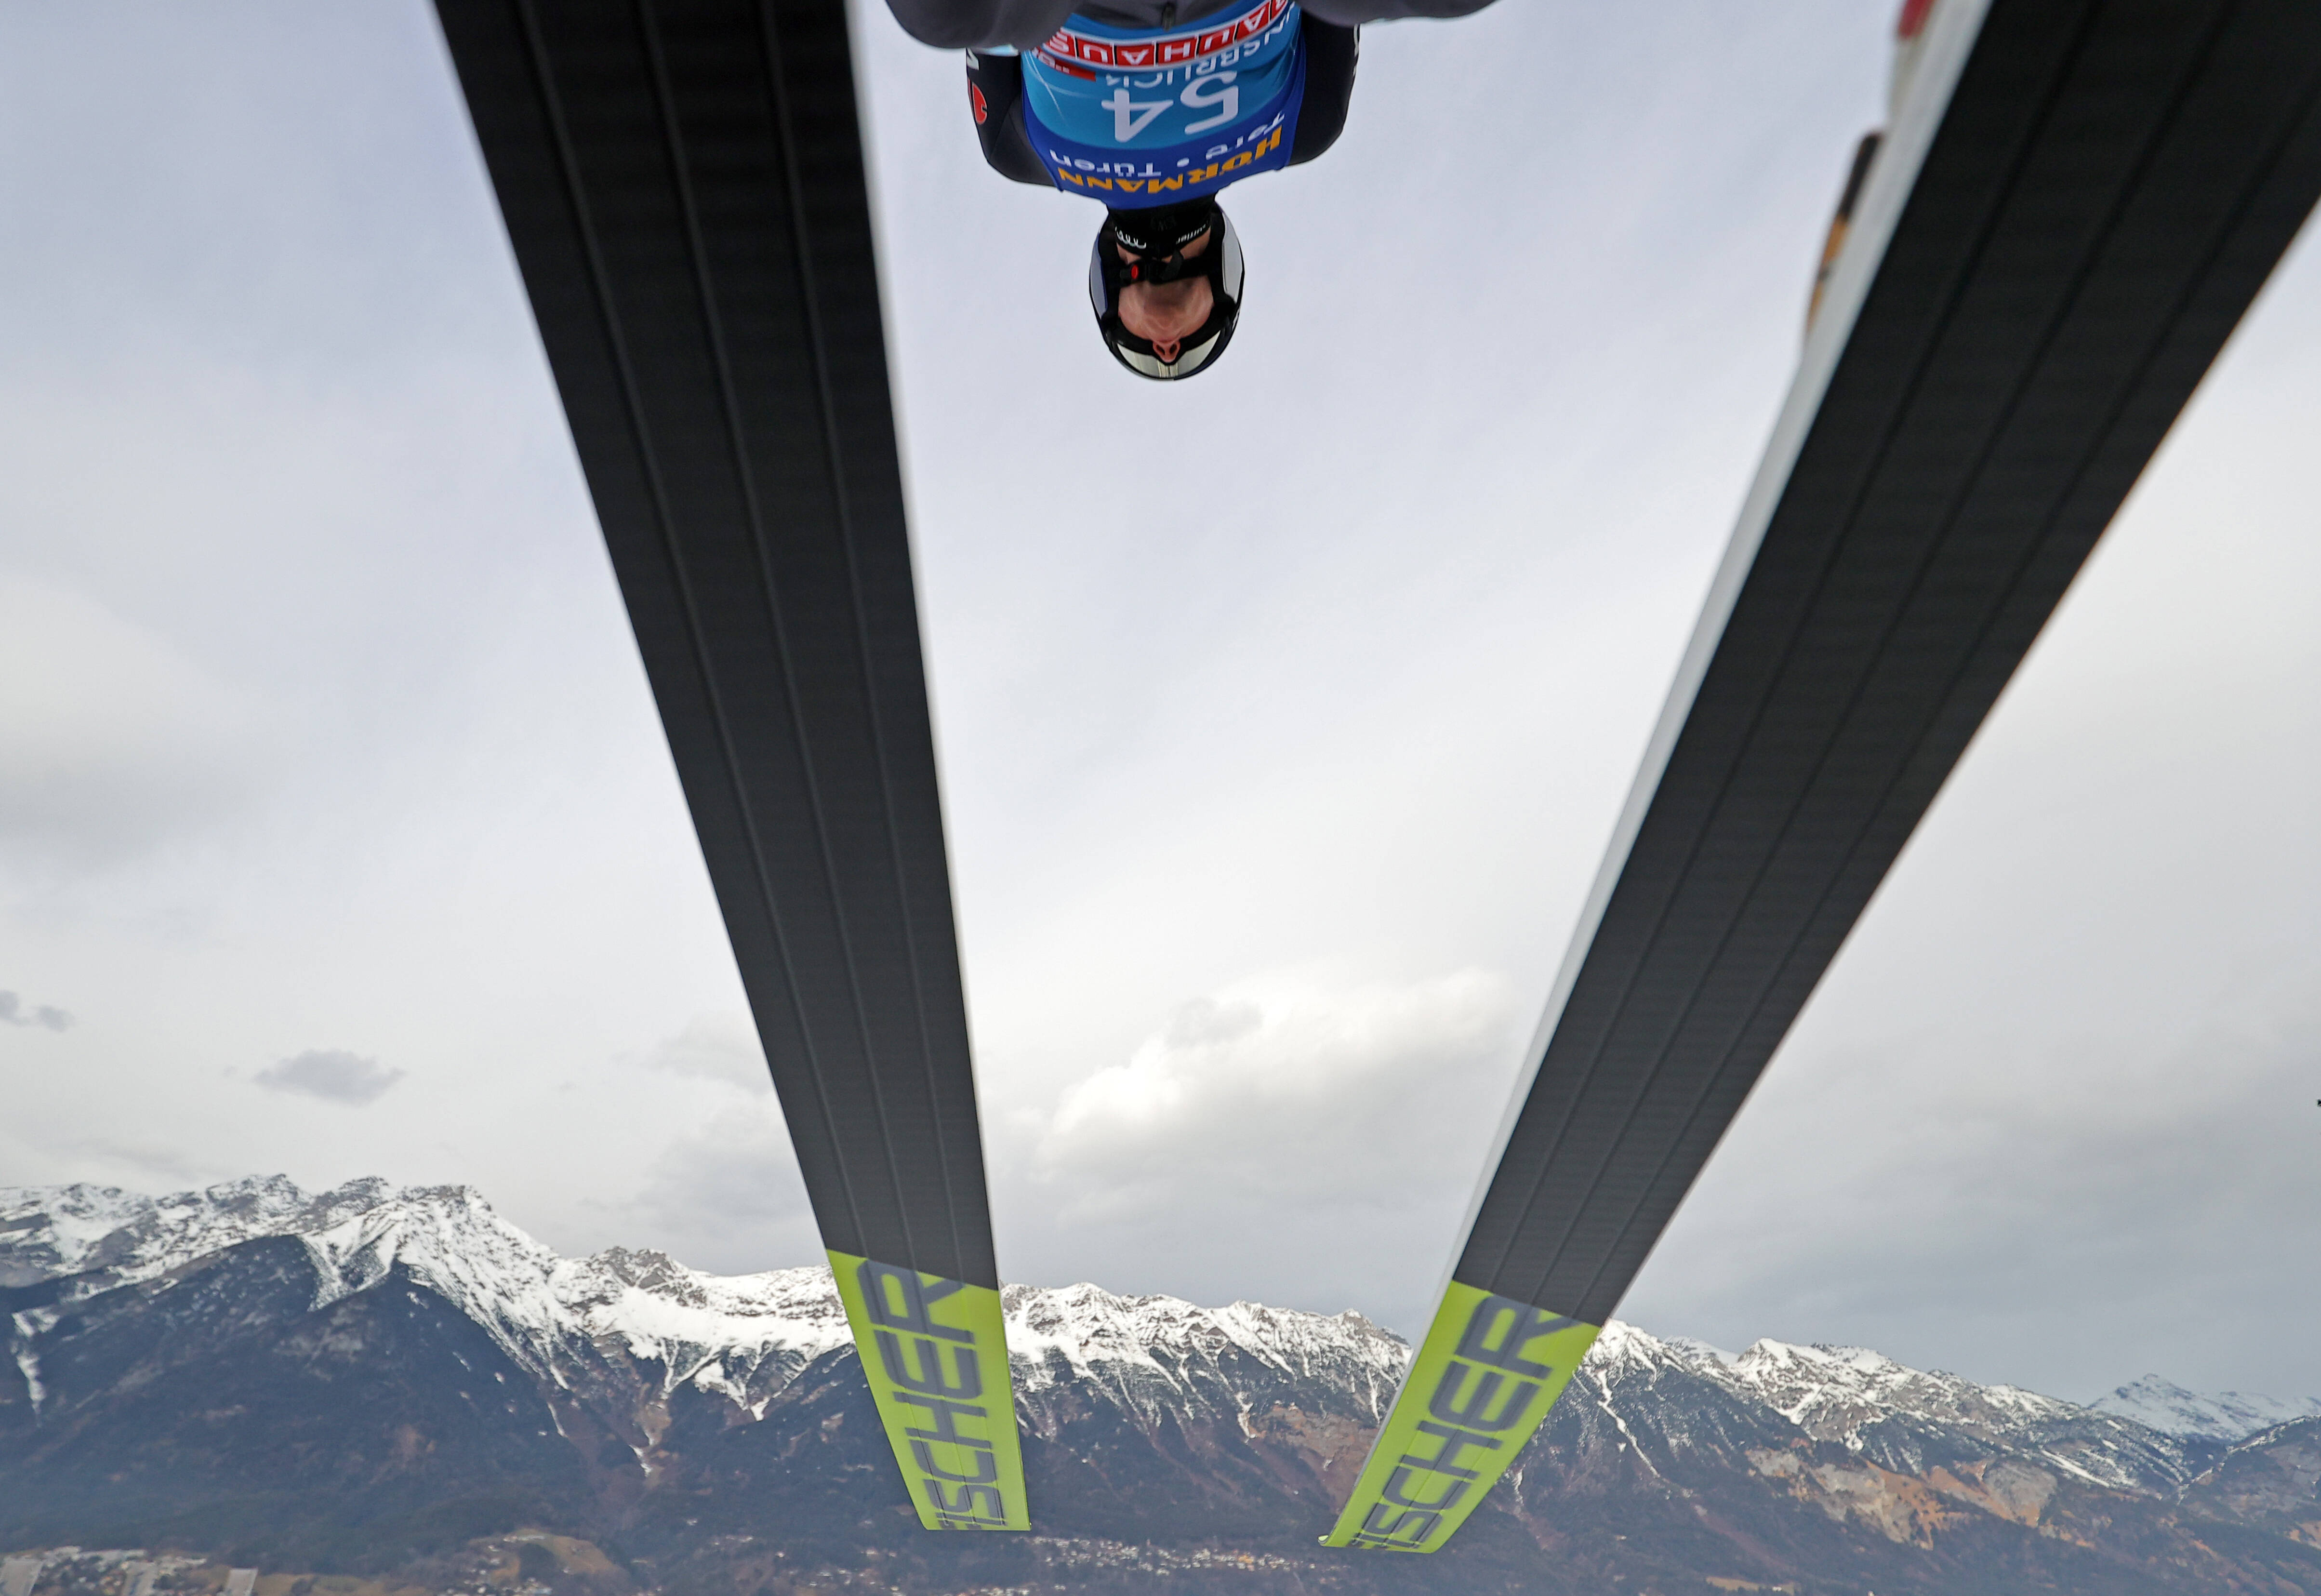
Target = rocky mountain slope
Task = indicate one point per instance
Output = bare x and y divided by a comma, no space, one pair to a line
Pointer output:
367,1378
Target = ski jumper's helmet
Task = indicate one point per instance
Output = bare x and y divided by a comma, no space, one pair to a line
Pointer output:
1156,240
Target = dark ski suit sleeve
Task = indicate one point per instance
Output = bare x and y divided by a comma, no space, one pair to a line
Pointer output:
1352,13
995,94
981,25
1330,55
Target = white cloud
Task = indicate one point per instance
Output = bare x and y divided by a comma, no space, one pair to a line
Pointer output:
726,1196
1309,1097
722,1047
2049,1213
332,1075
114,737
148,1165
1291,1142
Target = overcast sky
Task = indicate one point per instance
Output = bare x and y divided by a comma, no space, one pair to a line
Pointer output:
1283,716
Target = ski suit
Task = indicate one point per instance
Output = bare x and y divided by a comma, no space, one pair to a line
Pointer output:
1147,103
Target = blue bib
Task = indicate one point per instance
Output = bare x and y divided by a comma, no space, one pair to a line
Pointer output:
1138,119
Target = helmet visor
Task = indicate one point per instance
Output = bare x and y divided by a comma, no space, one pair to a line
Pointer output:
1193,353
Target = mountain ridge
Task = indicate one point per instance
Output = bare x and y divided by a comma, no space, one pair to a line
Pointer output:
421,1352
2221,1416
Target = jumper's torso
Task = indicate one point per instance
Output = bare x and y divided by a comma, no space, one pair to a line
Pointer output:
1139,117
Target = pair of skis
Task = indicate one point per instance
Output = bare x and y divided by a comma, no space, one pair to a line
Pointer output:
2077,201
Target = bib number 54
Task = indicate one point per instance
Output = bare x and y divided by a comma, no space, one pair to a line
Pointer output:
1131,117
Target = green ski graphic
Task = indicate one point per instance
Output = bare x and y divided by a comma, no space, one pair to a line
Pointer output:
936,1357
1485,1377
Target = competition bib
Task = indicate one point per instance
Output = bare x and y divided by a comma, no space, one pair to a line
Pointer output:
1150,118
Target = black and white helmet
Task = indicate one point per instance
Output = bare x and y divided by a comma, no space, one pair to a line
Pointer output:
1156,240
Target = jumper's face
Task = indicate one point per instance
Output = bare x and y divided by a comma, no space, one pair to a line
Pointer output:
1165,314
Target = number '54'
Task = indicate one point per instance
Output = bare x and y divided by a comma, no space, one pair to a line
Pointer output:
1131,117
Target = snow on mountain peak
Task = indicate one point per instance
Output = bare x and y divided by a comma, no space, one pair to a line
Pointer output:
1835,1392
573,1321
1621,1348
1153,1351
2227,1416
641,1321
122,1236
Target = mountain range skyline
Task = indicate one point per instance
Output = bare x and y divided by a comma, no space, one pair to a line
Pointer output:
399,1385
123,1237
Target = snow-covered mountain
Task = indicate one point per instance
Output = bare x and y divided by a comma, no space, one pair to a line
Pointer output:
744,1337
370,1348
2227,1416
602,1320
620,1322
